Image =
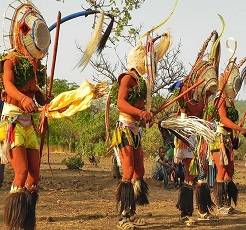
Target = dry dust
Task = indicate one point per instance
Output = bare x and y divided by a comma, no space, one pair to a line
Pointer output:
86,199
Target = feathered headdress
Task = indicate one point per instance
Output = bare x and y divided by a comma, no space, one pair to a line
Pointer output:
28,32
206,69
144,58
231,80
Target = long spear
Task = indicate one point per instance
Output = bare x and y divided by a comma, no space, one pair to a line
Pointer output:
241,123
166,104
54,53
44,121
218,103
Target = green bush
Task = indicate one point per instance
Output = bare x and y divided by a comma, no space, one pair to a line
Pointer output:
74,162
84,132
151,141
99,148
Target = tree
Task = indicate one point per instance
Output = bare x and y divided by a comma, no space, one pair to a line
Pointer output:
62,85
169,69
84,132
121,9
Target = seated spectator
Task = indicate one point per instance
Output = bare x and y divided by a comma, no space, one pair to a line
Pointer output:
163,167
93,160
170,152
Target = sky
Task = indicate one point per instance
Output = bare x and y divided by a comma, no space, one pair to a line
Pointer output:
191,24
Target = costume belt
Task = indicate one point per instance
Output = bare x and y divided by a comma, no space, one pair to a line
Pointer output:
14,114
126,120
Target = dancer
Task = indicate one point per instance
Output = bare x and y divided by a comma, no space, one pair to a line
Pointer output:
23,76
194,104
131,99
228,130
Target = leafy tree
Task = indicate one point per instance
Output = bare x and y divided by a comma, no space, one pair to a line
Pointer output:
84,132
152,140
121,9
62,85
91,137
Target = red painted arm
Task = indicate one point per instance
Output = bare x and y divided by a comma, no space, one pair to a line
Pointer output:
225,120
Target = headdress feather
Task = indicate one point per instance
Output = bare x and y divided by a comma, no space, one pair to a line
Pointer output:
105,36
93,43
231,45
216,43
162,22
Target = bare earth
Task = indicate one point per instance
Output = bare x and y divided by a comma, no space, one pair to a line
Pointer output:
86,200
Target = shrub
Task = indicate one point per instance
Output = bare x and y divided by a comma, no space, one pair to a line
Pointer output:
74,162
152,140
100,148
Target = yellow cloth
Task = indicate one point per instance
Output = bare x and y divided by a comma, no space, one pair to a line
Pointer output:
117,136
10,110
68,103
216,144
23,135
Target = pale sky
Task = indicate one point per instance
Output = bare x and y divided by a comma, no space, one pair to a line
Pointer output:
192,22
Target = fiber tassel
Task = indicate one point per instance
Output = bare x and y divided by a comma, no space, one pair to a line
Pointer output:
125,197
105,36
17,211
93,43
203,198
141,191
185,200
232,192
190,126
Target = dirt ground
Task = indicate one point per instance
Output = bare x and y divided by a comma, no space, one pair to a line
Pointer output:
86,200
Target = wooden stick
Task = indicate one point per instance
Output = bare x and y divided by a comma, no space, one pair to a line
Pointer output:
218,103
44,121
166,104
241,124
54,54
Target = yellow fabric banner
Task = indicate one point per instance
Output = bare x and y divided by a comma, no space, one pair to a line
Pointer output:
68,103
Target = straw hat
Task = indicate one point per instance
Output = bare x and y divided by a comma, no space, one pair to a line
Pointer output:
137,57
28,31
234,81
204,70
